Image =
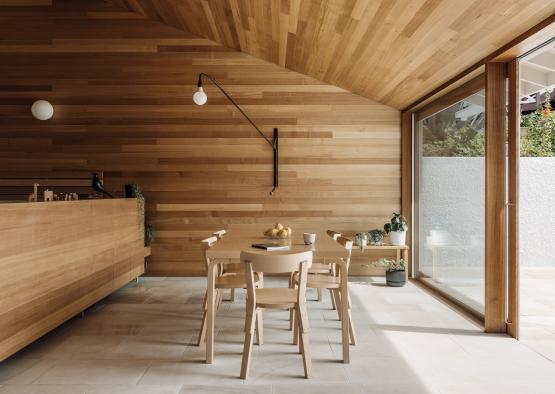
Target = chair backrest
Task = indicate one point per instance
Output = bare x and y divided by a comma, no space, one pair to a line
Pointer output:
348,245
276,264
333,234
219,233
207,244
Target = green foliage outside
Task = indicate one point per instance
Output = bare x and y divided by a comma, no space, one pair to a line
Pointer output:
539,139
446,136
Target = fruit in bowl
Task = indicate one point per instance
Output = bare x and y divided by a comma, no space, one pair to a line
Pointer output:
279,231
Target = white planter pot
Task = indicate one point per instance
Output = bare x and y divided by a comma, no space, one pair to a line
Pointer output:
397,237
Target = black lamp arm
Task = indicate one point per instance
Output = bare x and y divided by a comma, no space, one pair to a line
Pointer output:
219,86
273,144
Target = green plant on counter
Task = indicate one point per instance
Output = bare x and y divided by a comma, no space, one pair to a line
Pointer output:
376,236
362,240
390,264
397,223
149,232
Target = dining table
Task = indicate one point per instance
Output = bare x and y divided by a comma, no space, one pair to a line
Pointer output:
229,248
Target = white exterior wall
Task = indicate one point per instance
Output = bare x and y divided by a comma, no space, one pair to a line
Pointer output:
453,203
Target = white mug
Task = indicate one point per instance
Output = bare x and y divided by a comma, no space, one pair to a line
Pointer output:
309,238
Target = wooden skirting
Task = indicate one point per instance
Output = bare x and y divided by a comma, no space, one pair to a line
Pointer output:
58,258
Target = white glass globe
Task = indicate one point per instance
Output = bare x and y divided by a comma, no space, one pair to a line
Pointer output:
200,98
42,110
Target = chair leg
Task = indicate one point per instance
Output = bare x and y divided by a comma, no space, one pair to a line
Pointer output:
202,334
247,347
259,327
219,296
232,295
352,333
319,291
333,306
295,320
337,300
304,343
291,311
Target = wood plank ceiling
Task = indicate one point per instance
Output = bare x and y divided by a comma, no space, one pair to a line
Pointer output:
391,51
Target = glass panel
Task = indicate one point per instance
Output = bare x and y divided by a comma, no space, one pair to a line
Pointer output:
537,199
451,200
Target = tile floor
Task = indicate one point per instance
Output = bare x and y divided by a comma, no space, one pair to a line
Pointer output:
537,309
140,340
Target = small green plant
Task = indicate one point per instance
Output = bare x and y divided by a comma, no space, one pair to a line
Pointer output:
390,264
149,233
397,223
376,236
362,239
148,228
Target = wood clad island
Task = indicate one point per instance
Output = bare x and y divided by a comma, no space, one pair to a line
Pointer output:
58,258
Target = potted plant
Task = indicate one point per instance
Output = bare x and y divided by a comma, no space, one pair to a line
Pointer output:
376,236
134,191
397,229
362,240
395,271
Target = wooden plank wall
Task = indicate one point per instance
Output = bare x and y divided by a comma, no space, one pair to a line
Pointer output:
121,86
16,185
58,258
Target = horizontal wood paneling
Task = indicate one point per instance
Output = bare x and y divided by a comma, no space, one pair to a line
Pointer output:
58,258
392,51
122,87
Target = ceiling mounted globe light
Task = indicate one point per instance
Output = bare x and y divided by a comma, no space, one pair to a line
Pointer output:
200,98
42,110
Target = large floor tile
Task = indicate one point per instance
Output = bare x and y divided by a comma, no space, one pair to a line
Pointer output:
94,372
142,339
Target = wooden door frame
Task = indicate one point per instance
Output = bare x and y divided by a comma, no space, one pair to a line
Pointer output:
503,265
495,319
513,263
410,121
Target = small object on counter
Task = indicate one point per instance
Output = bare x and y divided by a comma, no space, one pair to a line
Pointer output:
74,196
33,196
279,231
48,195
309,238
98,186
362,240
270,247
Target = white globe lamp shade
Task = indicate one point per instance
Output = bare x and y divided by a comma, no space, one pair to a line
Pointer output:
200,98
42,110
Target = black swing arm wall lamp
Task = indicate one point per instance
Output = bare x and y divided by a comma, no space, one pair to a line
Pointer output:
200,98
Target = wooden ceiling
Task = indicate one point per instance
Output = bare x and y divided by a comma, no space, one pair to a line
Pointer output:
391,51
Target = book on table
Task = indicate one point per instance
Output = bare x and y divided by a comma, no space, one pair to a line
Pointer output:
270,246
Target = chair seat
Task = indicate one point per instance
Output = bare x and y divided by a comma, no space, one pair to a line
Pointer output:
234,281
276,298
320,268
321,281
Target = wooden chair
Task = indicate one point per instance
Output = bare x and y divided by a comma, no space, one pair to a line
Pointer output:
324,268
228,268
219,234
333,283
224,280
277,298
333,234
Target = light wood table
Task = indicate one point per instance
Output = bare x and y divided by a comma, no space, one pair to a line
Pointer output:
230,247
401,250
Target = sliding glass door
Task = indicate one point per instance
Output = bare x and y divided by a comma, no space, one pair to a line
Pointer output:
450,200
